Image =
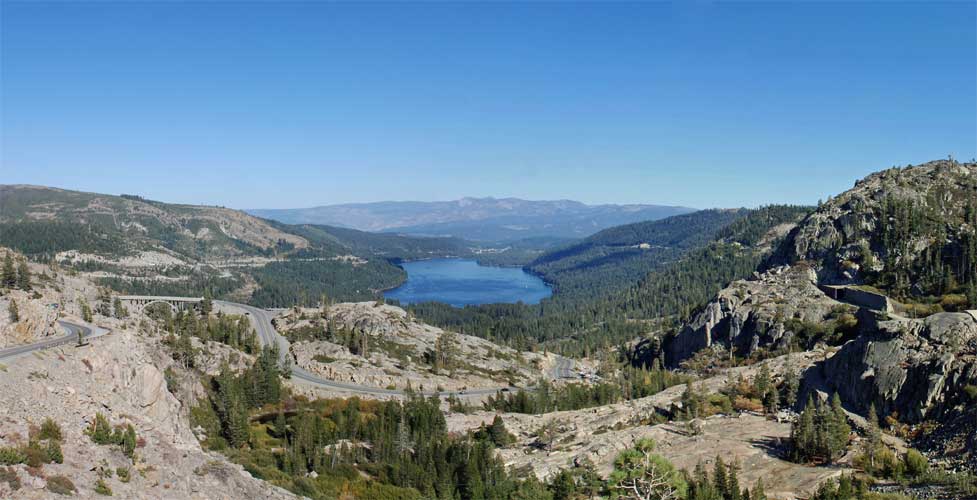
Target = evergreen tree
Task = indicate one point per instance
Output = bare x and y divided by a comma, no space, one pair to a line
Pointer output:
498,433
872,444
100,431
758,492
839,428
206,305
129,441
86,311
9,274
13,311
719,478
280,429
23,275
733,491
118,310
762,382
803,434
792,384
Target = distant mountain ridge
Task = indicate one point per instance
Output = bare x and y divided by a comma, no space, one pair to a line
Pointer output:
478,219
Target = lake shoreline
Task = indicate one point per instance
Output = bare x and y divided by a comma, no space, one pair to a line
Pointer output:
463,281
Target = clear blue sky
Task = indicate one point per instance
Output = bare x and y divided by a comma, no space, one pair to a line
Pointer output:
290,104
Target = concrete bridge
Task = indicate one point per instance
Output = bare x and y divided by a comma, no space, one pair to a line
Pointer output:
175,303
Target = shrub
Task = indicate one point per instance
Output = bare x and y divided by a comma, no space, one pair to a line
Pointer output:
100,430
954,302
915,462
35,455
10,455
102,489
741,403
53,452
61,485
970,391
50,430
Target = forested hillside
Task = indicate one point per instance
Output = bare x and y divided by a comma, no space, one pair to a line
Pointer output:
141,246
670,290
615,258
911,232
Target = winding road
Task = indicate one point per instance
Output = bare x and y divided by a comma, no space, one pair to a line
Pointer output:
71,335
268,336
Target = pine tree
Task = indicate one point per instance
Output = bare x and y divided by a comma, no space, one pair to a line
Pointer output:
129,441
118,310
9,274
758,492
719,478
23,276
873,437
733,483
13,311
839,429
690,401
761,382
791,384
86,311
100,431
206,305
771,399
498,433
803,433
281,426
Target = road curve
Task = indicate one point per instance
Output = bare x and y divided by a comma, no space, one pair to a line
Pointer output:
71,335
267,335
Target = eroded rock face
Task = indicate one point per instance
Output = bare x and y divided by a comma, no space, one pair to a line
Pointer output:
844,236
915,368
750,314
399,351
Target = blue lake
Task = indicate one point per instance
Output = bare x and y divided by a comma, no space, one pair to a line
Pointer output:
462,282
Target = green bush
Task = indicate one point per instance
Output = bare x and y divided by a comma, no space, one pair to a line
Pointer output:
53,453
61,485
36,456
10,455
102,489
100,430
123,473
970,391
50,430
915,462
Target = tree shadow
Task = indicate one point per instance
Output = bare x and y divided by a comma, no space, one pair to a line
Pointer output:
776,447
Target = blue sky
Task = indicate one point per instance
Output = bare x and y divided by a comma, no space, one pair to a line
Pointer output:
291,104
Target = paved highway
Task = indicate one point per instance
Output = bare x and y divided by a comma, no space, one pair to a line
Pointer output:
267,335
71,335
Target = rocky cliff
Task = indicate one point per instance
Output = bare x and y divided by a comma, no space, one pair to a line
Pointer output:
911,232
901,243
767,311
910,368
895,225
398,351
